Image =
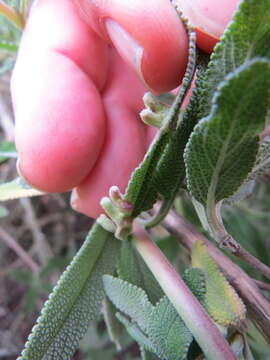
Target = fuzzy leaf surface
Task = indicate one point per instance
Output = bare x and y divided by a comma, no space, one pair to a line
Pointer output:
75,301
162,169
16,189
246,37
158,328
168,332
129,299
221,300
223,147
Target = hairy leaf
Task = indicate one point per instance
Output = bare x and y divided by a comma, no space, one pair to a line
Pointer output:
17,189
162,169
221,301
129,299
168,332
75,301
156,328
222,149
132,269
247,37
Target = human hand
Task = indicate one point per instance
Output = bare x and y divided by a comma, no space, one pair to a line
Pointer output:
77,98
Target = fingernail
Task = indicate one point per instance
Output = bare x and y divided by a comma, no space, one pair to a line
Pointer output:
74,200
130,50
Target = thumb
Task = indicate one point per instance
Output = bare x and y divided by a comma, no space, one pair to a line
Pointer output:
148,35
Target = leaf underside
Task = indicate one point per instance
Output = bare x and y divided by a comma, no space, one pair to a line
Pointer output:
75,301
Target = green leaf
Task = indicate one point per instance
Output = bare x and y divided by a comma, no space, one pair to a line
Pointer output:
223,147
168,332
17,189
221,301
129,299
75,301
162,169
132,269
156,328
247,37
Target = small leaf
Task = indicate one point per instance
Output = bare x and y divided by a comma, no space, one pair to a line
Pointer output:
223,147
132,269
156,328
75,301
17,189
168,332
129,299
221,301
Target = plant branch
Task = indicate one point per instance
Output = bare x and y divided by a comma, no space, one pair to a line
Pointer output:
262,285
42,247
251,260
257,305
227,242
208,336
23,255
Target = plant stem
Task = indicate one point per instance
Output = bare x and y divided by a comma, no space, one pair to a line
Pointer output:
12,15
227,242
262,285
191,311
257,305
13,244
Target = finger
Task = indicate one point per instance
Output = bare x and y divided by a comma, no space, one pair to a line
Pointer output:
210,18
60,123
147,34
125,143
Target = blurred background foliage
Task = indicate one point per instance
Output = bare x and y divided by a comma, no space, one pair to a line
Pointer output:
39,237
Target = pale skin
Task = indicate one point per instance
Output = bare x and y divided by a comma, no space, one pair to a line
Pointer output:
77,89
